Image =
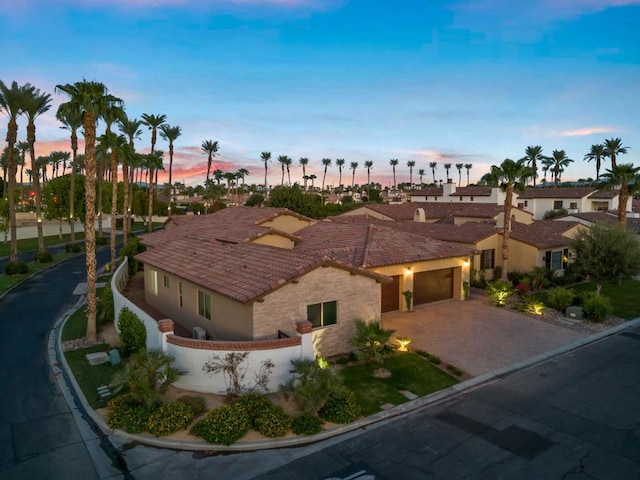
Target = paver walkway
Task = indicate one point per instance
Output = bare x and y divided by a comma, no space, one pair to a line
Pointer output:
476,337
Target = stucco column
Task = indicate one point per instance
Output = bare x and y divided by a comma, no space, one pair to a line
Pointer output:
165,327
304,330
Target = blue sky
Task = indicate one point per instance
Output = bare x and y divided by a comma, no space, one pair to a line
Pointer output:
447,81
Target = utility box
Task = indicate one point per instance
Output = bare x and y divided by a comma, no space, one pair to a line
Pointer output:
114,356
574,312
199,333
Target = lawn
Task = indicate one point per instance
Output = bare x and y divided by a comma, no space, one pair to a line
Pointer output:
408,372
7,282
31,244
90,377
624,297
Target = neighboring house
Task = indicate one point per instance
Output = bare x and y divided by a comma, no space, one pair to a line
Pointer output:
575,200
608,218
544,243
448,192
252,273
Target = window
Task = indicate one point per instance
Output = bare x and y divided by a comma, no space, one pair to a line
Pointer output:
165,281
322,314
557,204
460,198
556,260
180,294
487,259
153,282
204,305
472,199
573,205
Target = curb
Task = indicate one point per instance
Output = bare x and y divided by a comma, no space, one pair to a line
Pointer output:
408,407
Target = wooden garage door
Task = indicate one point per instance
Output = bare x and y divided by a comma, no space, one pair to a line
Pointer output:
391,295
432,286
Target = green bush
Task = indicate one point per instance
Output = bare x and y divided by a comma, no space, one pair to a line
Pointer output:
224,425
497,272
515,277
133,333
272,421
596,307
15,268
72,247
499,291
253,403
306,424
43,257
455,370
170,418
125,413
431,358
197,404
130,250
342,407
106,312
560,298
532,305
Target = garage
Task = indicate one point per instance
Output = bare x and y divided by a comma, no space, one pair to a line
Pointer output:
391,295
432,286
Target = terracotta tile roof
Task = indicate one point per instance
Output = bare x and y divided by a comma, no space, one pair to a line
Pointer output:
434,210
472,192
607,218
543,233
605,194
428,191
560,192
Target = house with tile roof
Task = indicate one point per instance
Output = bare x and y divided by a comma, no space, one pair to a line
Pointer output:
449,192
608,218
251,273
538,201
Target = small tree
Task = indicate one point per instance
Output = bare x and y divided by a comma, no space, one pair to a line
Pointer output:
607,254
133,333
234,367
372,341
311,384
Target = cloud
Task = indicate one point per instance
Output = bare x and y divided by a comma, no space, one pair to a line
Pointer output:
586,131
437,155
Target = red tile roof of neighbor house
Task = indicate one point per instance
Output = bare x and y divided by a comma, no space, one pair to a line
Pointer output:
607,218
543,233
472,192
567,192
434,210
428,191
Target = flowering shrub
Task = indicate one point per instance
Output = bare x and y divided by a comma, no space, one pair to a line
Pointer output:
169,418
272,421
196,404
306,424
126,413
341,408
225,425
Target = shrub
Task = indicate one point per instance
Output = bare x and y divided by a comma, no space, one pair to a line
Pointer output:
43,257
125,413
225,425
133,333
341,407
431,358
372,341
596,307
306,424
15,268
272,421
497,272
105,307
515,276
132,248
253,403
550,214
532,305
499,291
455,370
170,418
311,385
197,404
560,298
72,247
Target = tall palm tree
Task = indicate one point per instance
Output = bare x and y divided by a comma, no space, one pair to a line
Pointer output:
327,163
340,164
533,155
12,103
229,177
287,164
282,160
312,177
394,163
447,167
265,157
627,177
432,166
421,173
304,161
23,148
89,99
211,149
368,165
242,173
130,127
510,176
153,122
170,134
596,153
411,164
559,161
459,168
612,148
154,163
467,167
354,166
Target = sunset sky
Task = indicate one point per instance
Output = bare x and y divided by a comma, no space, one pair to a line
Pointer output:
458,81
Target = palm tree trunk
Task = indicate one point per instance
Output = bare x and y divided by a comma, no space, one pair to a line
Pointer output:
506,232
114,206
150,203
12,134
72,192
100,175
89,229
31,135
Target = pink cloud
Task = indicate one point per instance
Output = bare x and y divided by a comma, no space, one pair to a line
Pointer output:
586,131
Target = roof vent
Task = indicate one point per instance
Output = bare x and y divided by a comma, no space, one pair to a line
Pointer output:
419,215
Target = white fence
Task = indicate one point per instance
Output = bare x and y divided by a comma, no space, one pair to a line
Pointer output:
192,354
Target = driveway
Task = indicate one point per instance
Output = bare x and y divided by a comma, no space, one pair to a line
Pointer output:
476,337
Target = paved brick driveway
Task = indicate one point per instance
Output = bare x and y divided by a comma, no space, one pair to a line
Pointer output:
476,337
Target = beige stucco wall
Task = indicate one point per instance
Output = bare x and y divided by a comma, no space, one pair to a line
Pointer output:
286,223
275,240
494,242
230,320
358,297
523,257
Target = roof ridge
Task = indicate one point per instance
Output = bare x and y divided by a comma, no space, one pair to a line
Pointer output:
365,252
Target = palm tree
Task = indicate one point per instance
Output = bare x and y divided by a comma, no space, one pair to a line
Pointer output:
210,148
89,99
354,166
312,177
340,164
304,161
23,148
432,166
242,173
627,177
170,134
153,163
12,103
612,148
596,153
287,163
533,155
411,164
326,162
394,162
447,166
467,167
558,161
282,160
510,176
229,177
368,165
130,127
153,122
218,175
459,167
421,173
265,157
